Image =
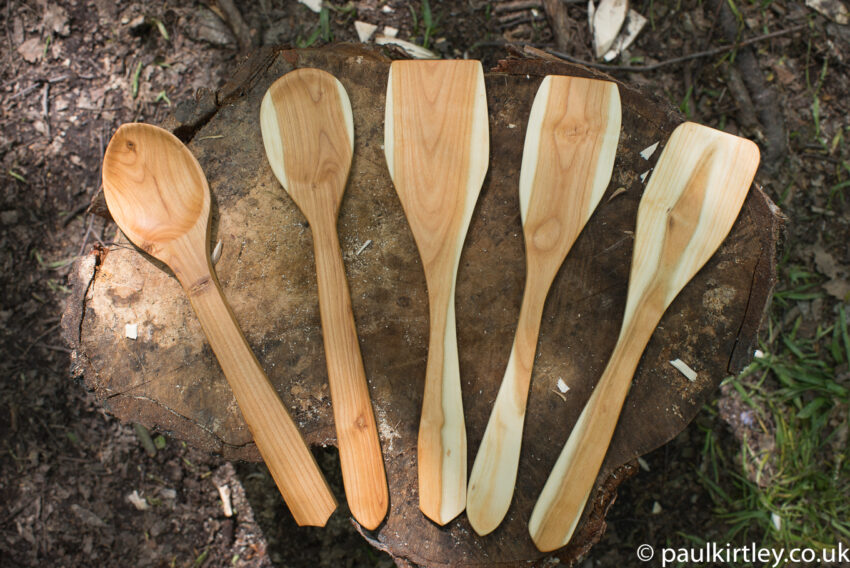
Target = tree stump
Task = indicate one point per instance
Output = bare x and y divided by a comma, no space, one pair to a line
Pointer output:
168,378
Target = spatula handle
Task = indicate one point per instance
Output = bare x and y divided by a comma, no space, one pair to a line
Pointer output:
441,450
359,448
493,477
560,505
283,449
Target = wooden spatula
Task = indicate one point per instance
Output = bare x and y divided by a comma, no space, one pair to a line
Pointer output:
158,194
436,142
687,209
567,162
308,133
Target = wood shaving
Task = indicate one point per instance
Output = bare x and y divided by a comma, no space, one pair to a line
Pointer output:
683,368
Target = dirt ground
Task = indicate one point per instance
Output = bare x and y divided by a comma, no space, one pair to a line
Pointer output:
77,488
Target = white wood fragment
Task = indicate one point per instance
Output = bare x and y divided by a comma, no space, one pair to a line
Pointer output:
362,248
758,354
683,368
364,30
137,500
387,9
216,253
647,152
390,31
562,386
635,22
413,50
776,520
643,464
608,20
656,508
131,331
618,191
315,5
591,10
226,505
643,176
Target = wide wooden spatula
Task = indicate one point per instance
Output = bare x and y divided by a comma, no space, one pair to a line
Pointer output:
436,142
687,209
308,133
158,194
567,162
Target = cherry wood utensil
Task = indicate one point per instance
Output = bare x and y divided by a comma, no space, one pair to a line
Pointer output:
308,133
436,142
567,163
158,194
687,209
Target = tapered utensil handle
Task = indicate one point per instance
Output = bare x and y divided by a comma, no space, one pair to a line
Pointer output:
493,477
359,448
441,447
284,451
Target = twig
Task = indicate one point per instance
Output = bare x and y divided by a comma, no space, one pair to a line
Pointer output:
560,22
666,62
516,6
45,109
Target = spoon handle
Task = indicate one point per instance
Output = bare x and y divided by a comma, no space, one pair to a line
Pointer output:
493,477
560,505
359,448
441,450
288,458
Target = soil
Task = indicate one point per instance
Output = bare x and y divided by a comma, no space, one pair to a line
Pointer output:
77,488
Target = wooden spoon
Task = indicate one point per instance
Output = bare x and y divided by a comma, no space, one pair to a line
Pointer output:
686,211
567,162
158,194
436,142
308,133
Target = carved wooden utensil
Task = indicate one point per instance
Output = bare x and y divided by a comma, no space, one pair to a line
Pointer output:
308,133
567,162
436,142
158,194
687,209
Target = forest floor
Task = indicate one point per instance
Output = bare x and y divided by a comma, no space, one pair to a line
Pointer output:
764,463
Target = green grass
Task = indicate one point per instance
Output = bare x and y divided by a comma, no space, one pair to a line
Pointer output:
799,391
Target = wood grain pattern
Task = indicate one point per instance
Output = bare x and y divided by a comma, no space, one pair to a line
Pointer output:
158,195
436,143
689,206
308,134
568,158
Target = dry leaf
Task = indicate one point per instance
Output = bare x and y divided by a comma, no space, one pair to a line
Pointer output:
832,9
31,50
55,20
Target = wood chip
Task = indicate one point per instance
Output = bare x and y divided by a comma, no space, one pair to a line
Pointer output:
683,368
364,30
647,152
413,50
216,253
131,331
226,505
635,22
643,176
361,249
390,31
562,386
608,20
137,500
315,5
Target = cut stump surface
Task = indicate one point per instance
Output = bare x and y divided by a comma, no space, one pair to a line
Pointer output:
168,378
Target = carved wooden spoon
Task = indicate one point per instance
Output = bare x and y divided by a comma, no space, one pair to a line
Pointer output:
687,209
567,162
158,194
308,133
436,142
